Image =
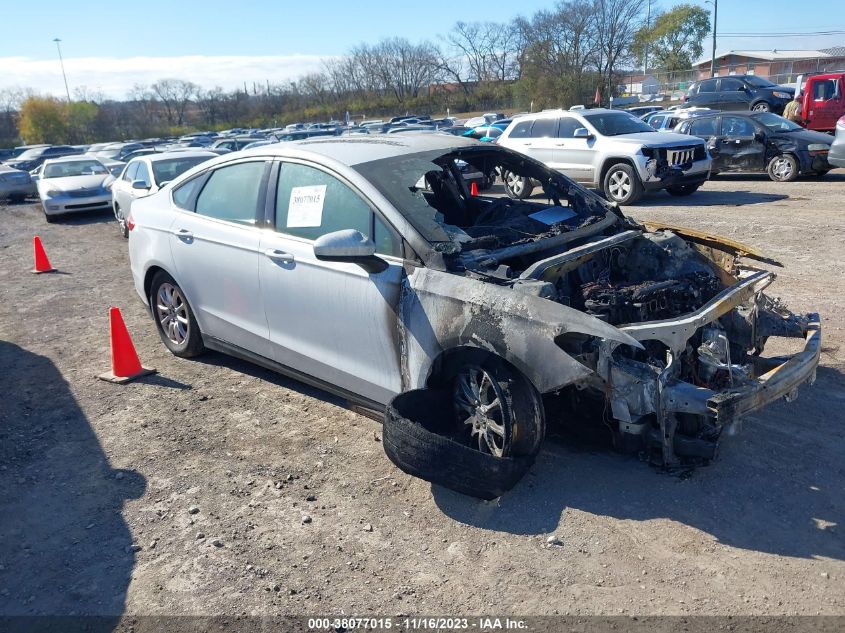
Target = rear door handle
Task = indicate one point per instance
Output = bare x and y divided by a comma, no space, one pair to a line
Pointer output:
279,256
184,234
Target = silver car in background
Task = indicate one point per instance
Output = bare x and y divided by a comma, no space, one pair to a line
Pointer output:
15,185
145,175
836,156
73,184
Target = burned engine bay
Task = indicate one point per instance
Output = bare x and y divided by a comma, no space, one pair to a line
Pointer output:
697,311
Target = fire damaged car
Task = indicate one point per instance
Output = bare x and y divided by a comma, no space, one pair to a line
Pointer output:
366,266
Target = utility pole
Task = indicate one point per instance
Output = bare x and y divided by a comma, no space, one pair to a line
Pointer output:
648,26
713,55
62,63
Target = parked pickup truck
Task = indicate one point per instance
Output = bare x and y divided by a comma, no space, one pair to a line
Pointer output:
823,101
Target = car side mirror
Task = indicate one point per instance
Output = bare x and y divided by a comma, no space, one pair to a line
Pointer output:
582,132
759,137
140,184
349,245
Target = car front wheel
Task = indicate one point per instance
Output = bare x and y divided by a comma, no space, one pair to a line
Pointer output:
762,106
783,168
174,318
121,221
622,185
497,410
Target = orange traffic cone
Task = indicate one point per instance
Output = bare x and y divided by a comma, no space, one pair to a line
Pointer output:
42,264
473,189
125,365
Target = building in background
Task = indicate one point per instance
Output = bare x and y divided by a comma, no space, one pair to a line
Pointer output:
780,66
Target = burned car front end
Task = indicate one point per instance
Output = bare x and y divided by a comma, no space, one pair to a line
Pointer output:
664,327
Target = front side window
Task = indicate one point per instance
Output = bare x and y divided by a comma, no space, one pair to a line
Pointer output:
231,193
129,174
143,173
311,203
655,121
567,126
737,126
731,85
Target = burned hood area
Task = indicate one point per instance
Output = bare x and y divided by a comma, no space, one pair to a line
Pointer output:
660,330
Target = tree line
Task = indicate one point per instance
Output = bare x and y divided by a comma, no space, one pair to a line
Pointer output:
556,57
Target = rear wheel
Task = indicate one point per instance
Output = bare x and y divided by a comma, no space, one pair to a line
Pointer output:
517,187
622,185
783,168
174,318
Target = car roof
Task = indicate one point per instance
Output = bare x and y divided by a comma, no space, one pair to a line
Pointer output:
73,158
355,150
160,156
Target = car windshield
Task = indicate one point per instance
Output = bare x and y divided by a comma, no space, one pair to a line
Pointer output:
616,123
75,168
432,190
776,123
167,170
759,82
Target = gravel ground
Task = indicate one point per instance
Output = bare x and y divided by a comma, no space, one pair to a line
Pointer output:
216,487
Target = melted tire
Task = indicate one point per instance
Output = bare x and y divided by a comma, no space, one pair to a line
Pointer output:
417,426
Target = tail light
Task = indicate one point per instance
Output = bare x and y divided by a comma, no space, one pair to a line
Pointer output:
130,221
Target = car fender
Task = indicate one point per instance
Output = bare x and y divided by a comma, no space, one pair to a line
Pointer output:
441,311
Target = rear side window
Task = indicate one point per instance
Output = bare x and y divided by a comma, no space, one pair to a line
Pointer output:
703,127
708,85
231,193
521,130
544,128
183,194
655,121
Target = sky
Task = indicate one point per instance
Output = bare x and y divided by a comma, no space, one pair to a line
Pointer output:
109,47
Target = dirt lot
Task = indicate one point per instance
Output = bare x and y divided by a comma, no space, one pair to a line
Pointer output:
187,492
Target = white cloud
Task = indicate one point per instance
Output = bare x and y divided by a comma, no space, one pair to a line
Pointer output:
114,77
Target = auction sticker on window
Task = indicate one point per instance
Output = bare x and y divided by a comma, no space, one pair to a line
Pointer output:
306,206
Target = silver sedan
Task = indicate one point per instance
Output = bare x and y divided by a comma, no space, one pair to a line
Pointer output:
73,184
368,267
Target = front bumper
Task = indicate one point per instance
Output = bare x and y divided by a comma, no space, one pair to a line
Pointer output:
640,392
67,204
656,174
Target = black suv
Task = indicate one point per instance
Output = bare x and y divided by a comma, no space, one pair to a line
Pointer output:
739,92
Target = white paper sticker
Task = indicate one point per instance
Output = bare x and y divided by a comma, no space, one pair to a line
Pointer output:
306,206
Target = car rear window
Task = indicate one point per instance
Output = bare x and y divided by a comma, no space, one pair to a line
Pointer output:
703,127
544,128
231,193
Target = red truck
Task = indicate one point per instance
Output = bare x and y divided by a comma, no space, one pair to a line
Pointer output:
823,101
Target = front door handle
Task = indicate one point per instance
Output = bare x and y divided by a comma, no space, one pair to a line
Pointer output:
184,234
279,256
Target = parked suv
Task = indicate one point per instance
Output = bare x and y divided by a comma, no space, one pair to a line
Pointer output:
609,149
739,92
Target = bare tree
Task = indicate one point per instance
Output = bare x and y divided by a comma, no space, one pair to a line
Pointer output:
616,23
174,95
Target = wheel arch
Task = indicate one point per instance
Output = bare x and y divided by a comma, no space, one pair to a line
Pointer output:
610,162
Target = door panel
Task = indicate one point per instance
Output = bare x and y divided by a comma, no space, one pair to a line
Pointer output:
738,149
575,156
331,320
215,251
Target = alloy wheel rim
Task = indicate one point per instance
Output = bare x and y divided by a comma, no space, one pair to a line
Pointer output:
782,168
620,184
515,183
172,313
479,403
